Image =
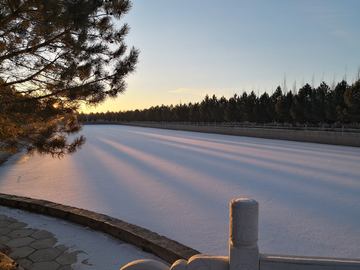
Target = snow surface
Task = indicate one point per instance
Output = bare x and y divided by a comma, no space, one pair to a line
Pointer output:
179,184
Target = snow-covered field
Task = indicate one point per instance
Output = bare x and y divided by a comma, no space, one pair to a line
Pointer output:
179,184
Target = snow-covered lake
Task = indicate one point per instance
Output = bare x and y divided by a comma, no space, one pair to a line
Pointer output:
179,184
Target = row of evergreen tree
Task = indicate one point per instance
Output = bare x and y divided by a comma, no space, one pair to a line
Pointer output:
309,105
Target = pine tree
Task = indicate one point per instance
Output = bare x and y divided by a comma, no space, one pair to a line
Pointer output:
352,99
261,109
283,107
338,104
218,110
275,97
301,109
205,109
249,102
319,102
230,110
194,112
56,55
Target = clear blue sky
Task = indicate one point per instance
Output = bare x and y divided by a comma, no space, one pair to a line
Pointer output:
190,48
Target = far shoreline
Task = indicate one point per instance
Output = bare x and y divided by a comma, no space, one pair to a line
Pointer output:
321,137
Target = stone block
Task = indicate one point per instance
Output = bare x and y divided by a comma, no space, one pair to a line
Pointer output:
9,203
179,265
40,234
4,231
57,211
19,242
37,206
24,262
4,238
8,200
45,254
208,262
47,265
145,265
4,223
20,233
68,258
43,243
115,229
289,262
80,217
17,225
244,258
22,252
11,219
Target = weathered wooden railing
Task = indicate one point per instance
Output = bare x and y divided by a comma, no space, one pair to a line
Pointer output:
244,252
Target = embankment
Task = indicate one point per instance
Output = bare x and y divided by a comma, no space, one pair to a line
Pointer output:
324,137
4,156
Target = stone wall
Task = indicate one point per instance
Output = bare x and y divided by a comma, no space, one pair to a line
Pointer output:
165,248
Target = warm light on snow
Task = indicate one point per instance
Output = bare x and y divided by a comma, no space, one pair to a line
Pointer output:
179,184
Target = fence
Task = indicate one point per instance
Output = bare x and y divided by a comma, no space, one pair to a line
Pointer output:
243,250
335,127
244,254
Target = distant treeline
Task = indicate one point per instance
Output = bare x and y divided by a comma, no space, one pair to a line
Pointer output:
310,105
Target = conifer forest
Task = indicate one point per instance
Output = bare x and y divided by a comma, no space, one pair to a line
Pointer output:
310,106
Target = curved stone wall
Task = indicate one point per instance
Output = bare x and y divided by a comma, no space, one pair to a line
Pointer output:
164,248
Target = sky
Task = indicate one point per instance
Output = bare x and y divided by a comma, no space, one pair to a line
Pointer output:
190,48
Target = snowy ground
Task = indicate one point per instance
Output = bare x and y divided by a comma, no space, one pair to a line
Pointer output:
179,184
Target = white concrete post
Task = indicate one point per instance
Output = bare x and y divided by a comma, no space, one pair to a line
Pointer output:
244,220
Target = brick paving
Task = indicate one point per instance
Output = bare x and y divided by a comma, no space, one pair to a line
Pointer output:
33,249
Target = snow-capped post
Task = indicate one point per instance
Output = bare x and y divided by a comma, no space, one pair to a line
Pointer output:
244,251
244,220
